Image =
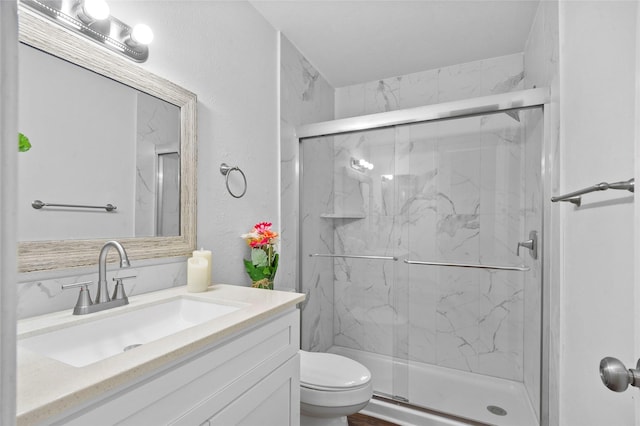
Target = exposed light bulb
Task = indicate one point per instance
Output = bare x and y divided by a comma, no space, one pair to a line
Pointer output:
361,165
97,10
142,34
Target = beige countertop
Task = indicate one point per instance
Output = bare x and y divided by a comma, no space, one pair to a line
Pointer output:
47,387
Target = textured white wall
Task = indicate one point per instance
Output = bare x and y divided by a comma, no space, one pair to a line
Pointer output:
8,197
597,80
226,53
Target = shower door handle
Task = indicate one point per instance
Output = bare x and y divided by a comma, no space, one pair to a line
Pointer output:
531,244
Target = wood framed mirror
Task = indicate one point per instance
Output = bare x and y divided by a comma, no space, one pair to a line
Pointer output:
61,252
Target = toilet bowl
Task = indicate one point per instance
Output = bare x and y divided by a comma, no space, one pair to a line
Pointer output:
331,388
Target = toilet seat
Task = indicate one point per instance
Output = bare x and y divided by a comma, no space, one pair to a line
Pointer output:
331,388
332,373
329,380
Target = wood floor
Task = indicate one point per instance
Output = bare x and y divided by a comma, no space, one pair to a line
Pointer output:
362,420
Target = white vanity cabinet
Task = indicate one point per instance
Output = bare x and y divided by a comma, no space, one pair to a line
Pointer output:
249,378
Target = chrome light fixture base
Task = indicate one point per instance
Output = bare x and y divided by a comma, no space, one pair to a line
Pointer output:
111,33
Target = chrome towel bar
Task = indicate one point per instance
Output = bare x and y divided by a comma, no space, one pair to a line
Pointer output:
575,197
417,262
37,204
468,265
354,256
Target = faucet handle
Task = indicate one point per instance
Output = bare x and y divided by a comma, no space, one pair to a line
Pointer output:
84,298
118,291
74,285
124,278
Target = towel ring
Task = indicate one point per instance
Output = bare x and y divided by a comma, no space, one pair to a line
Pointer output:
226,170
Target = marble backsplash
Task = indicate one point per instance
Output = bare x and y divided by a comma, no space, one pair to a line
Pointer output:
41,292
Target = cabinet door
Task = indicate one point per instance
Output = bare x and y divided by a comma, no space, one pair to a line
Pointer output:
274,401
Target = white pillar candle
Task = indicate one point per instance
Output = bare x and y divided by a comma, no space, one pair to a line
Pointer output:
205,254
197,280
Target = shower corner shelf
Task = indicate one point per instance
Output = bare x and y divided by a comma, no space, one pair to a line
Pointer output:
343,215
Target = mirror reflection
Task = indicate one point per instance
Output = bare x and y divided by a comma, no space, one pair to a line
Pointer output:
95,142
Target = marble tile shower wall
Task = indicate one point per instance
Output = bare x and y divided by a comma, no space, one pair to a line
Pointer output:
305,97
463,81
160,133
447,191
455,195
318,237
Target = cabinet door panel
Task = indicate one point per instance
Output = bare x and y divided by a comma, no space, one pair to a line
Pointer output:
269,403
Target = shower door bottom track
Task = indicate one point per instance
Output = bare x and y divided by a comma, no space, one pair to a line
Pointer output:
404,402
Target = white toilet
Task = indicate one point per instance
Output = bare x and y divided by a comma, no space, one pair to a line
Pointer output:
331,388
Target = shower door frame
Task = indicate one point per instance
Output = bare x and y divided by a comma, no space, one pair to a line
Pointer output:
530,98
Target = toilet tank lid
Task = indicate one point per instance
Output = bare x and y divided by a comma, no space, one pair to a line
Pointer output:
331,372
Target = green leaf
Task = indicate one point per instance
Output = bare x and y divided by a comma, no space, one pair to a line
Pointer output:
258,267
23,143
254,273
259,257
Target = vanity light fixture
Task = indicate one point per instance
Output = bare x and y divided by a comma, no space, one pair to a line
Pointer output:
141,35
361,165
93,10
92,19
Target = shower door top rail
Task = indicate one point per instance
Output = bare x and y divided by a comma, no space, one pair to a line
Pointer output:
353,256
469,265
466,107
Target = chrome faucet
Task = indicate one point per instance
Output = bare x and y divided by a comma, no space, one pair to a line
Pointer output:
103,292
85,305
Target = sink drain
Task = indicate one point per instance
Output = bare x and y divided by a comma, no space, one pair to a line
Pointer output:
498,411
128,348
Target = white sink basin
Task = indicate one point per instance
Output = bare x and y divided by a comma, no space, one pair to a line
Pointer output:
83,344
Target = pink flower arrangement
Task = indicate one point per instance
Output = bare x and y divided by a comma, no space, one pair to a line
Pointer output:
263,264
261,235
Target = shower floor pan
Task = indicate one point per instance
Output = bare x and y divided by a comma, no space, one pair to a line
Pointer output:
461,394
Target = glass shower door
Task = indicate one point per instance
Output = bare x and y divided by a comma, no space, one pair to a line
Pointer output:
412,265
470,198
349,252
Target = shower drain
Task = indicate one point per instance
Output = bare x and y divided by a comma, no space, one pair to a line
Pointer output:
498,411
